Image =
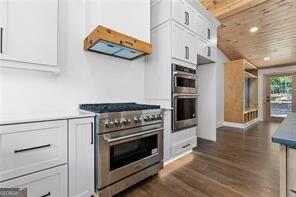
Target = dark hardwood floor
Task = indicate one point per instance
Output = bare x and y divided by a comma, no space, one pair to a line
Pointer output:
238,164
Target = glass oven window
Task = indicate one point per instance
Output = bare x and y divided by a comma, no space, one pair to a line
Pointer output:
186,108
129,152
184,82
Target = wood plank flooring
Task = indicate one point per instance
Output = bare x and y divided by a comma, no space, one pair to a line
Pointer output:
238,164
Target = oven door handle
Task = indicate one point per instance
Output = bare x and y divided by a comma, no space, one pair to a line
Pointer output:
133,136
185,75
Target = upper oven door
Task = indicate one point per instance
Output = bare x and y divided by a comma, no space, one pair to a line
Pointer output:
122,154
185,83
185,112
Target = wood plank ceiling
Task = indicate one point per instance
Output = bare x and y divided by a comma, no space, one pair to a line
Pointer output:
276,35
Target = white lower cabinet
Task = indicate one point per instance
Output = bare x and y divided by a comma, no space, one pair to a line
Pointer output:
184,146
52,182
81,157
183,141
32,147
50,158
167,136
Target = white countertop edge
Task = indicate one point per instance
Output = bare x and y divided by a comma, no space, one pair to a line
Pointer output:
40,117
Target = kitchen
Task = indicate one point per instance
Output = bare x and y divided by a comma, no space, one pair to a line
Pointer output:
49,79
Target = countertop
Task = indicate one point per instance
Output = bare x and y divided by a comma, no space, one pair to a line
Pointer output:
286,133
43,116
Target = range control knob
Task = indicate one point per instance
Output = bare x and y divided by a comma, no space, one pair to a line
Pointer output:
146,118
153,117
136,120
117,123
109,124
124,121
129,121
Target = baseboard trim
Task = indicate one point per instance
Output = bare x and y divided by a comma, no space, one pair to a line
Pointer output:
219,124
239,125
177,157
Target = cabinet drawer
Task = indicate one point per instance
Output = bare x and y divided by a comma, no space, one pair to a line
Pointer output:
183,135
32,147
291,169
52,182
184,146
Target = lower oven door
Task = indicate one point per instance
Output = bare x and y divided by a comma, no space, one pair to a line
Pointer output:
185,112
123,155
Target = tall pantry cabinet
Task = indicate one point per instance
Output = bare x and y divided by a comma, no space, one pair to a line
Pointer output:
181,32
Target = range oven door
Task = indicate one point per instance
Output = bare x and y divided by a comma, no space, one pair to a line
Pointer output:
185,112
121,154
184,83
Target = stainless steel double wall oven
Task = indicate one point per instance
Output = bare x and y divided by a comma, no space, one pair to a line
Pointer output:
184,97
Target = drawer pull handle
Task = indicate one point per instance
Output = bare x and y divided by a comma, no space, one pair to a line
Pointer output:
33,148
293,191
48,194
92,133
1,40
185,146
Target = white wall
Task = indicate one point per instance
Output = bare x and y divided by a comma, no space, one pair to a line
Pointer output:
85,76
268,71
211,97
221,60
207,107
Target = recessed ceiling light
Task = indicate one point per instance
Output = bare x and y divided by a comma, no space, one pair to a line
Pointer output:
267,58
254,29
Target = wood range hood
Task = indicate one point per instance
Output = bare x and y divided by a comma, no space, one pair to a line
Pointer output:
109,42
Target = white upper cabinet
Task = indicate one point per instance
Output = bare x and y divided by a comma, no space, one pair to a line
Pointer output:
29,31
201,26
183,44
190,40
179,48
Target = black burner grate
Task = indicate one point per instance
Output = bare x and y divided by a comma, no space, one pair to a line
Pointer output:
116,107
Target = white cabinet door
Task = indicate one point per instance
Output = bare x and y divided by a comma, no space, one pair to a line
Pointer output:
32,147
191,21
167,136
190,40
179,11
184,44
52,182
206,49
30,31
201,26
81,157
179,48
184,14
212,35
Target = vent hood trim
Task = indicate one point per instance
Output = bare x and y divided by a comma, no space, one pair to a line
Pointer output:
128,46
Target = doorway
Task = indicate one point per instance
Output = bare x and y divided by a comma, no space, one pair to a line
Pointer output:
279,96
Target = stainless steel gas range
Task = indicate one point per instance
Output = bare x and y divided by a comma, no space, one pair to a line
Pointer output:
129,144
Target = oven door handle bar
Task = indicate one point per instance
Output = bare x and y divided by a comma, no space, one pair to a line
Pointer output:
136,135
185,75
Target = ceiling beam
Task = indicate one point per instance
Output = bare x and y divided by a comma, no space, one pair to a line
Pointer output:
222,9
